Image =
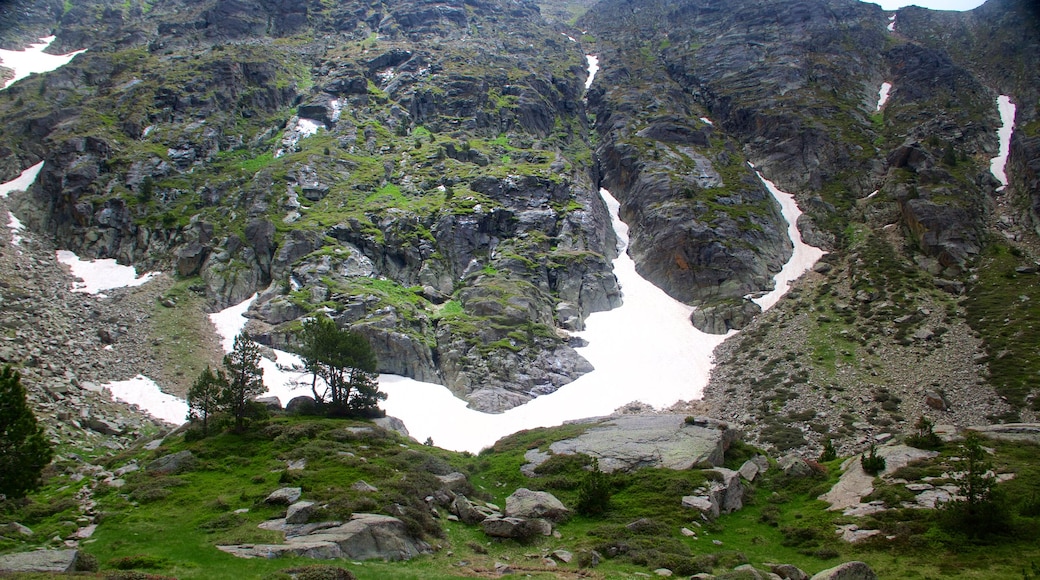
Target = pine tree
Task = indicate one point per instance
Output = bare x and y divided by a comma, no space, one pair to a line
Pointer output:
204,397
24,449
341,363
245,378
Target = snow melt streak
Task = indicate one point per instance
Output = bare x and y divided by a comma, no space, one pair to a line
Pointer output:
802,258
593,69
883,95
1007,118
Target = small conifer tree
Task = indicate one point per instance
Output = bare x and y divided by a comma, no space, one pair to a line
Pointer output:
24,448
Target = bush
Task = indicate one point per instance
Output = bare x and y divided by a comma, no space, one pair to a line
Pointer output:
137,561
872,462
594,492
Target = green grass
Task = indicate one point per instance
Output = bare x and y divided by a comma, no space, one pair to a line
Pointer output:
1004,308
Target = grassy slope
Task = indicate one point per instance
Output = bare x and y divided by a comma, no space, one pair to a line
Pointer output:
172,523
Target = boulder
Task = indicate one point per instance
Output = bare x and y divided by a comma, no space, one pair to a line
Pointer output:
525,503
271,403
301,405
467,512
285,496
510,527
454,482
847,571
53,561
364,537
794,466
363,486
703,504
173,463
729,492
788,572
299,512
627,442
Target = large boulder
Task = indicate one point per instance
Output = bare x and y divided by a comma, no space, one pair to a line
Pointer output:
628,442
514,528
284,496
524,503
467,511
847,571
173,463
53,561
364,537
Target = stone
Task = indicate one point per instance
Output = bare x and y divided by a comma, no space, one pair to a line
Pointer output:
53,561
466,511
788,572
749,470
363,486
663,572
525,503
729,492
750,572
364,537
702,504
270,403
563,556
300,405
847,571
936,401
454,481
509,527
285,496
794,466
15,528
299,512
628,442
687,532
173,463
1029,432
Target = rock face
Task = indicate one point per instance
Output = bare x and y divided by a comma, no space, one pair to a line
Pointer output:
53,561
464,262
628,442
847,571
525,503
364,537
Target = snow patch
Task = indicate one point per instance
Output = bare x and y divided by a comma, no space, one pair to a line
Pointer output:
144,392
33,60
593,69
569,37
883,95
802,258
16,226
707,121
22,182
998,164
892,23
99,275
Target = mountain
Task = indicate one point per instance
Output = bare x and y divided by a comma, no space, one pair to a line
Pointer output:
427,173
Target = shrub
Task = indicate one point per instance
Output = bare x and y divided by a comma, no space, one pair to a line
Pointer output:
872,462
829,453
924,437
137,561
594,492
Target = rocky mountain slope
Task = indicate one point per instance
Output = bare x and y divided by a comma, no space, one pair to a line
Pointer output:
427,174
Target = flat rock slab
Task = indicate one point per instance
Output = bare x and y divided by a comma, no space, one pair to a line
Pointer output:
629,442
856,483
40,561
364,537
1011,432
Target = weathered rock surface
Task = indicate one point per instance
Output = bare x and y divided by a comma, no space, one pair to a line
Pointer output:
525,503
847,571
364,537
53,561
627,442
